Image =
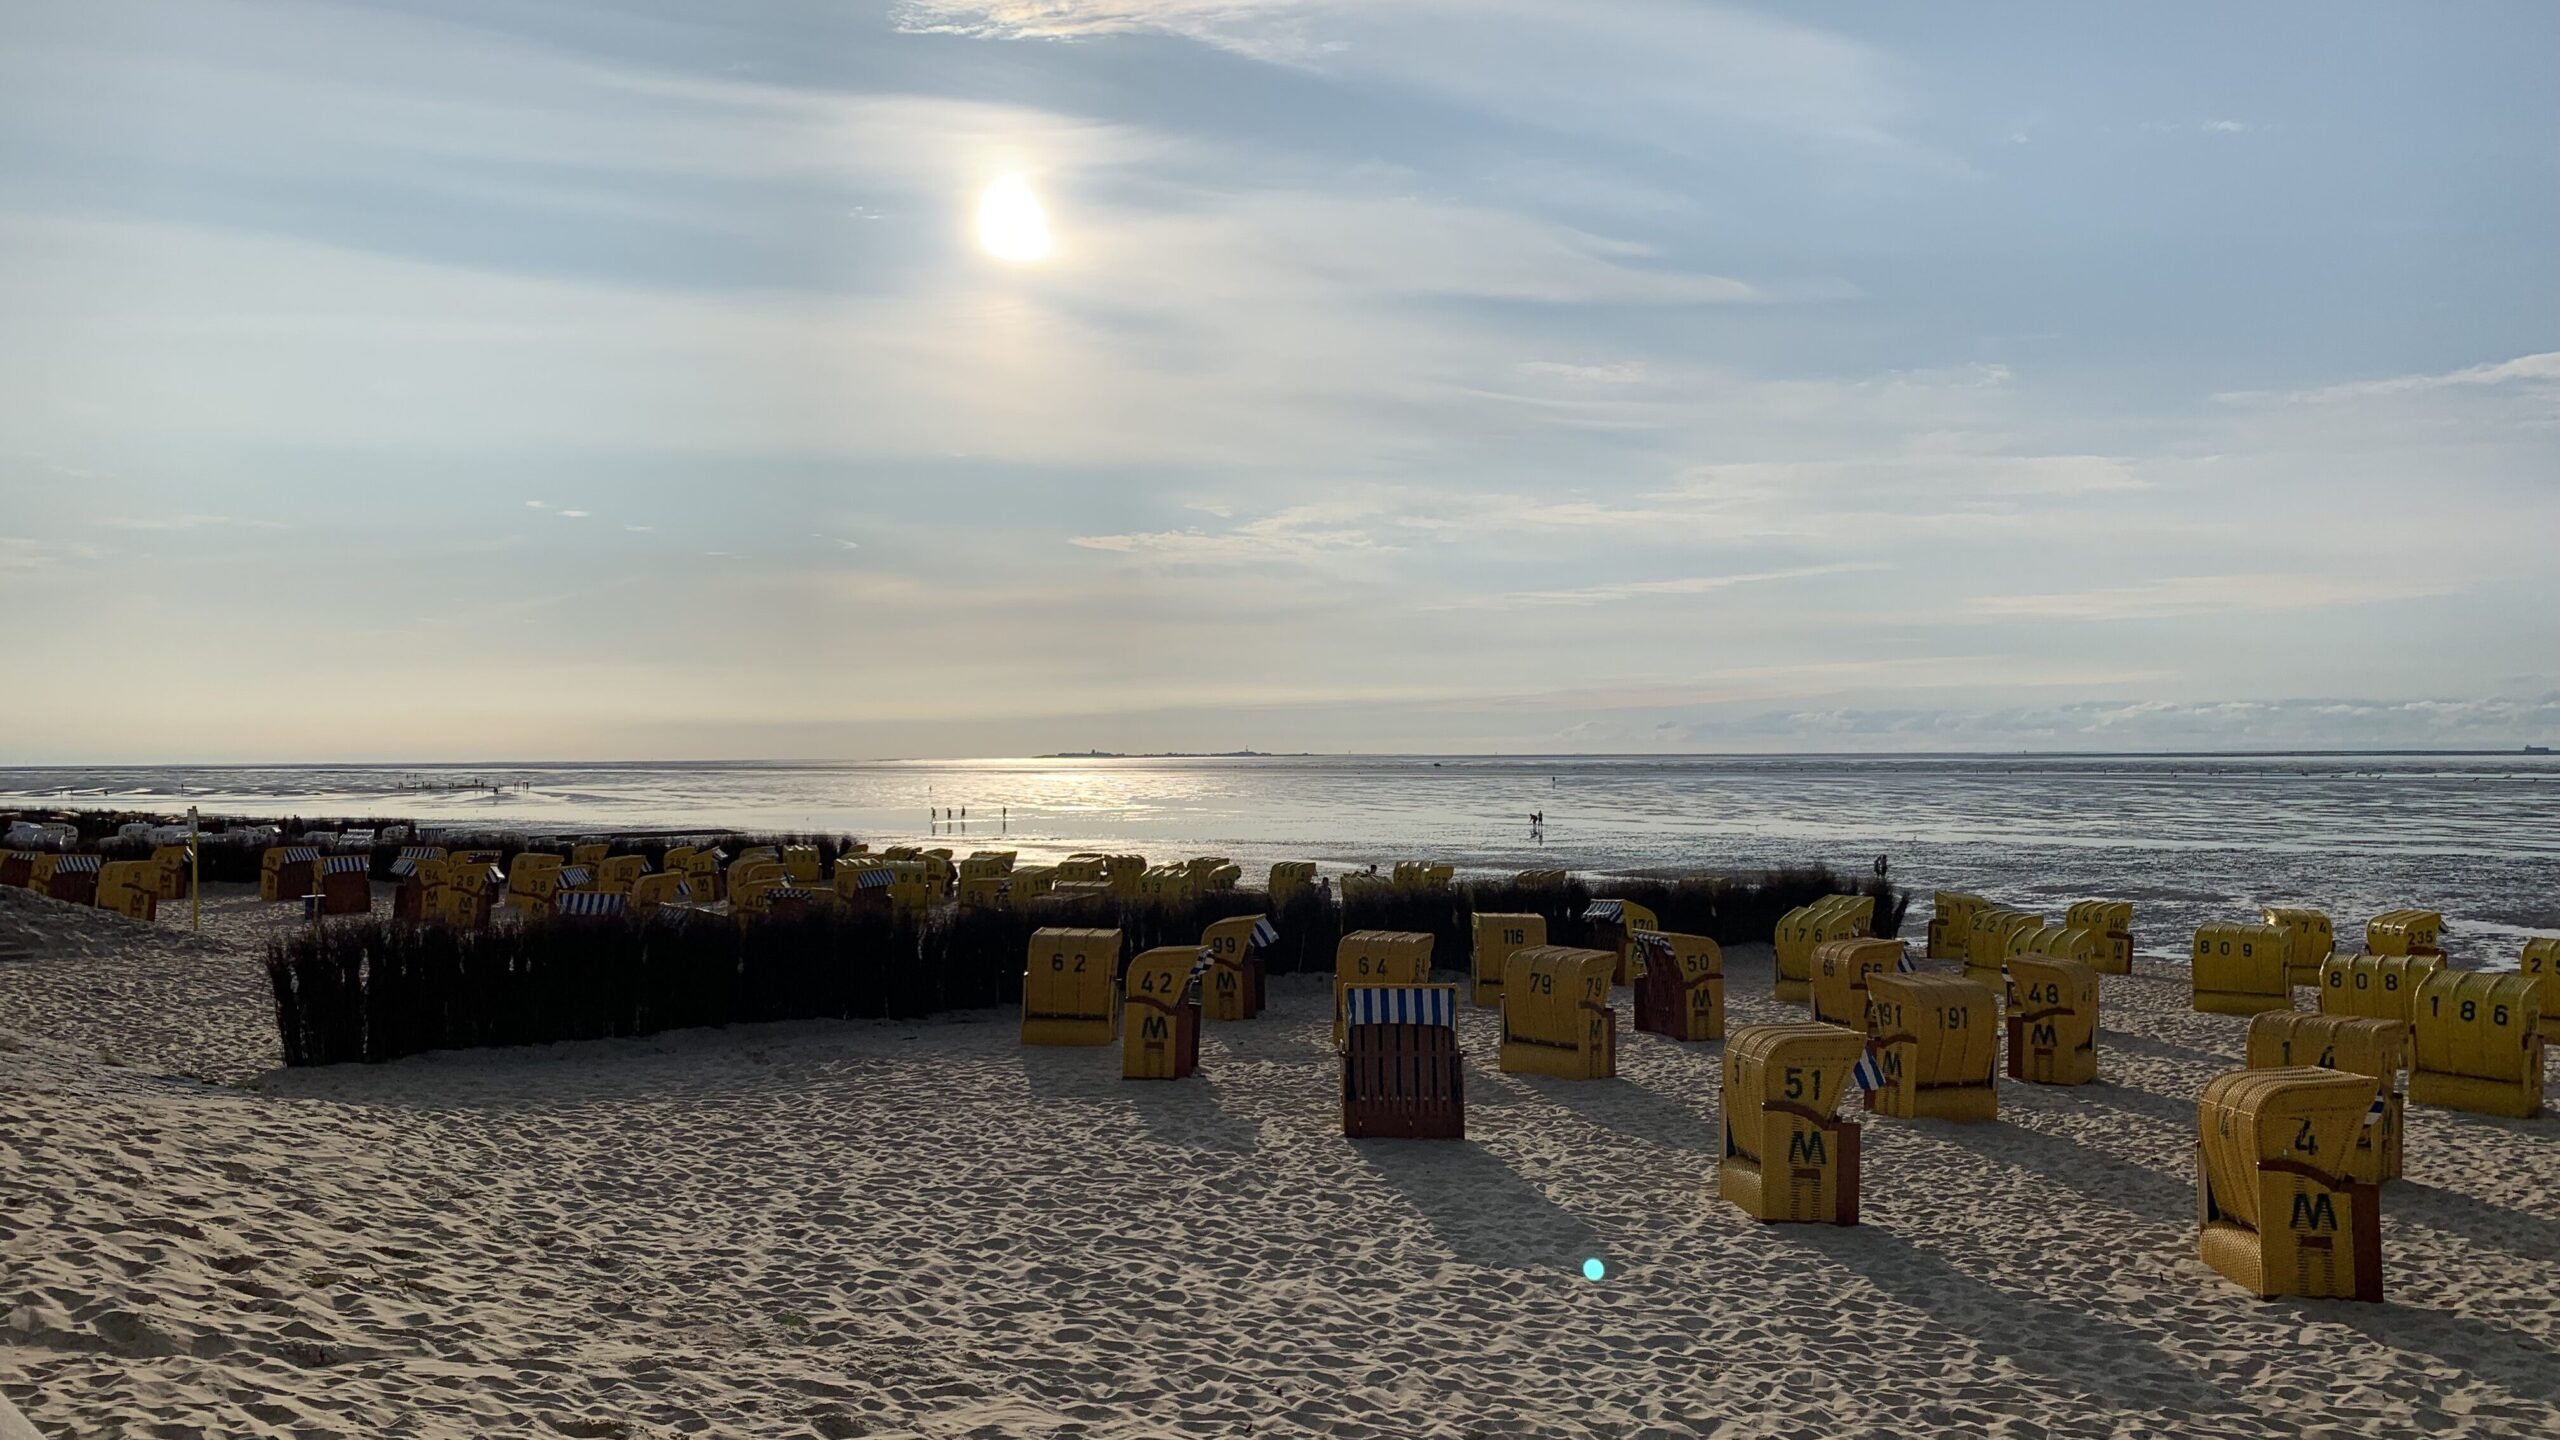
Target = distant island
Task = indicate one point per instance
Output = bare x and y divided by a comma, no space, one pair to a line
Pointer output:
1175,755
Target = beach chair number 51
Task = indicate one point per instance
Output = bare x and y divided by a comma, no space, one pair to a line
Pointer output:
1058,961
1795,1082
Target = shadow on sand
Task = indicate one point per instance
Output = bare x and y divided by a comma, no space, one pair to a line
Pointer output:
1630,1109
1485,1212
2073,1347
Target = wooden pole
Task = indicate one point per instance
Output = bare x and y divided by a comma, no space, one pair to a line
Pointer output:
195,872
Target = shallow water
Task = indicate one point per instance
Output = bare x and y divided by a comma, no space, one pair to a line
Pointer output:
2187,839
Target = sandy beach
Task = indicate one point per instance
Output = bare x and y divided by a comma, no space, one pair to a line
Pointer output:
900,1229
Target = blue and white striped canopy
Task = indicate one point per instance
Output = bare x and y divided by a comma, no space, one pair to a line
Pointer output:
576,877
872,877
1265,934
344,864
75,864
786,892
1868,1073
587,903
1606,910
417,852
296,854
1401,1005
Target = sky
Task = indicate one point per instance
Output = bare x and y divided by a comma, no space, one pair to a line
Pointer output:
547,379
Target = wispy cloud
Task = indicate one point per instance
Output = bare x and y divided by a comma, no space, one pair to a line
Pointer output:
188,522
1632,589
2541,369
1657,70
2217,594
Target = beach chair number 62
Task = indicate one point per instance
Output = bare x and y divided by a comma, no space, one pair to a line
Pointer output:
1058,961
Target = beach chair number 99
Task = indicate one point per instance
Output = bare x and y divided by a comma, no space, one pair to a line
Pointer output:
1058,961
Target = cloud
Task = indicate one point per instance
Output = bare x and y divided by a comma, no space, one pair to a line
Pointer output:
2217,595
1298,533
2532,372
188,522
1631,589
1665,73
572,514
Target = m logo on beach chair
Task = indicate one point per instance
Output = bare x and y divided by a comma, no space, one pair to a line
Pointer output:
1679,985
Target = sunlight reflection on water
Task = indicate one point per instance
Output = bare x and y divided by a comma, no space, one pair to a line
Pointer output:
2187,839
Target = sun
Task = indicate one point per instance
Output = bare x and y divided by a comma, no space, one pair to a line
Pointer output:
1011,224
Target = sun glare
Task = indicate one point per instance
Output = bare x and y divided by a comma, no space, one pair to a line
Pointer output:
1011,224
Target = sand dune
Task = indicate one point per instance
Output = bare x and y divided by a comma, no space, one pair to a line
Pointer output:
924,1230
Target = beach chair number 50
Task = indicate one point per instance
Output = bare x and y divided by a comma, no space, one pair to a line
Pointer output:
1058,961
